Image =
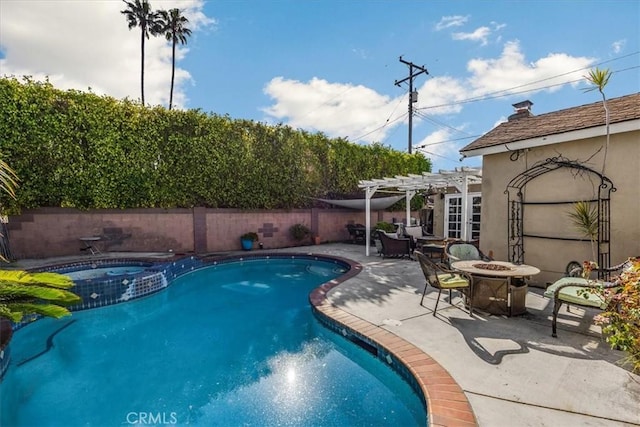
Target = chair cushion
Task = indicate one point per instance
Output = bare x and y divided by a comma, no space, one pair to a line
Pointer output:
414,231
449,281
570,294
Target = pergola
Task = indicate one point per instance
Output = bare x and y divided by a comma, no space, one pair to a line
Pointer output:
460,178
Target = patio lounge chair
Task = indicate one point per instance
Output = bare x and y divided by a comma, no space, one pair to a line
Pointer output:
394,247
357,233
440,277
575,291
458,250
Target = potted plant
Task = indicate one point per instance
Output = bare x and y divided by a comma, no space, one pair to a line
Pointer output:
247,240
299,232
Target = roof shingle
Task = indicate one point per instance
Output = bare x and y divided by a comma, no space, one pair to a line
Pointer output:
571,119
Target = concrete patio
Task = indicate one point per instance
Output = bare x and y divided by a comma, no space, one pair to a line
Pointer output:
511,370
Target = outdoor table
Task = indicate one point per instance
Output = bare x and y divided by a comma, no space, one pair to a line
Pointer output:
89,244
499,287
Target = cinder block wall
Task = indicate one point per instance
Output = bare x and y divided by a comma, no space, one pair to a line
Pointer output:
49,232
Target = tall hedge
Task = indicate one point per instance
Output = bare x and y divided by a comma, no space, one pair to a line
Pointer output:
77,149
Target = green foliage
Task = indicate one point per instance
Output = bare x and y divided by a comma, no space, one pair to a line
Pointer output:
584,218
620,320
299,232
23,293
77,149
385,226
253,236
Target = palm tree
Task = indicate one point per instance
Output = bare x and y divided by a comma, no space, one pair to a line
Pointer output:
174,29
34,293
599,79
139,14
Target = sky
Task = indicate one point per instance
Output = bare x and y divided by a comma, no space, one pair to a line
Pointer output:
331,66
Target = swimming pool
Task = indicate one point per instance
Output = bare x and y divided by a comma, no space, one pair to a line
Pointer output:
231,344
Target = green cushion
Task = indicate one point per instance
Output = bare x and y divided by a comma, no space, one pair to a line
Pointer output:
449,281
570,295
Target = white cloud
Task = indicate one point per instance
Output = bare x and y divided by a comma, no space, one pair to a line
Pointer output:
481,34
334,108
99,50
618,46
511,74
451,21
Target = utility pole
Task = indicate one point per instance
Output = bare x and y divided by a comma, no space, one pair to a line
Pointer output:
414,71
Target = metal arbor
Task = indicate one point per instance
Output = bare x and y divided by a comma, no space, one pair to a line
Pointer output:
516,203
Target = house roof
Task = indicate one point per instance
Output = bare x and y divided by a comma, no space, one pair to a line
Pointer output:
623,109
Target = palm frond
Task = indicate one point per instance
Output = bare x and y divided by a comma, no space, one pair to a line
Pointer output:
49,310
54,280
14,291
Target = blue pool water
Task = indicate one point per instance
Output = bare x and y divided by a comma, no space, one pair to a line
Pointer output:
104,272
231,345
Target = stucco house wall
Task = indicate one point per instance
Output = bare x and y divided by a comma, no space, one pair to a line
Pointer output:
550,217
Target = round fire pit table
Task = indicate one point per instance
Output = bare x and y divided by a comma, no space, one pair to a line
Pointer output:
498,287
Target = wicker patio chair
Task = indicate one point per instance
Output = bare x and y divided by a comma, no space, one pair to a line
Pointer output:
393,247
458,250
357,233
442,278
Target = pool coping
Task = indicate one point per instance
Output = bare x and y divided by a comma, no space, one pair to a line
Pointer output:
446,403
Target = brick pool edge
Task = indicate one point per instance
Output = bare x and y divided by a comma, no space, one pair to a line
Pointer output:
446,403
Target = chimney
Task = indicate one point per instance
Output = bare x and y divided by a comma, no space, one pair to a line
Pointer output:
523,109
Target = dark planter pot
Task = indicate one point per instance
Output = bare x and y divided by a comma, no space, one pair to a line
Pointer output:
6,331
247,244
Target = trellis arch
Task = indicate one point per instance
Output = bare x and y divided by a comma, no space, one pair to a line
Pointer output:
516,203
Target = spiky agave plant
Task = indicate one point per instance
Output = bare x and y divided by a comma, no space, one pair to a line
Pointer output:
23,293
584,217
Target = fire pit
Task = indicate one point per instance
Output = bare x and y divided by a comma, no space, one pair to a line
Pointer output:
492,267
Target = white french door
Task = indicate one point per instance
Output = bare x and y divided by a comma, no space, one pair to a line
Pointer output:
454,217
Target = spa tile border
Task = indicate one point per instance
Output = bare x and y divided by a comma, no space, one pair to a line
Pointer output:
446,403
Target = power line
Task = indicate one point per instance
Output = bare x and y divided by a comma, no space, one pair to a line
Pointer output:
494,95
388,122
448,140
509,91
438,123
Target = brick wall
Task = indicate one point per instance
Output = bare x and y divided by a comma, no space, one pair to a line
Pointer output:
49,232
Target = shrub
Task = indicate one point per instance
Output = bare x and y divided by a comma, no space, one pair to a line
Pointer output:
299,232
621,319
